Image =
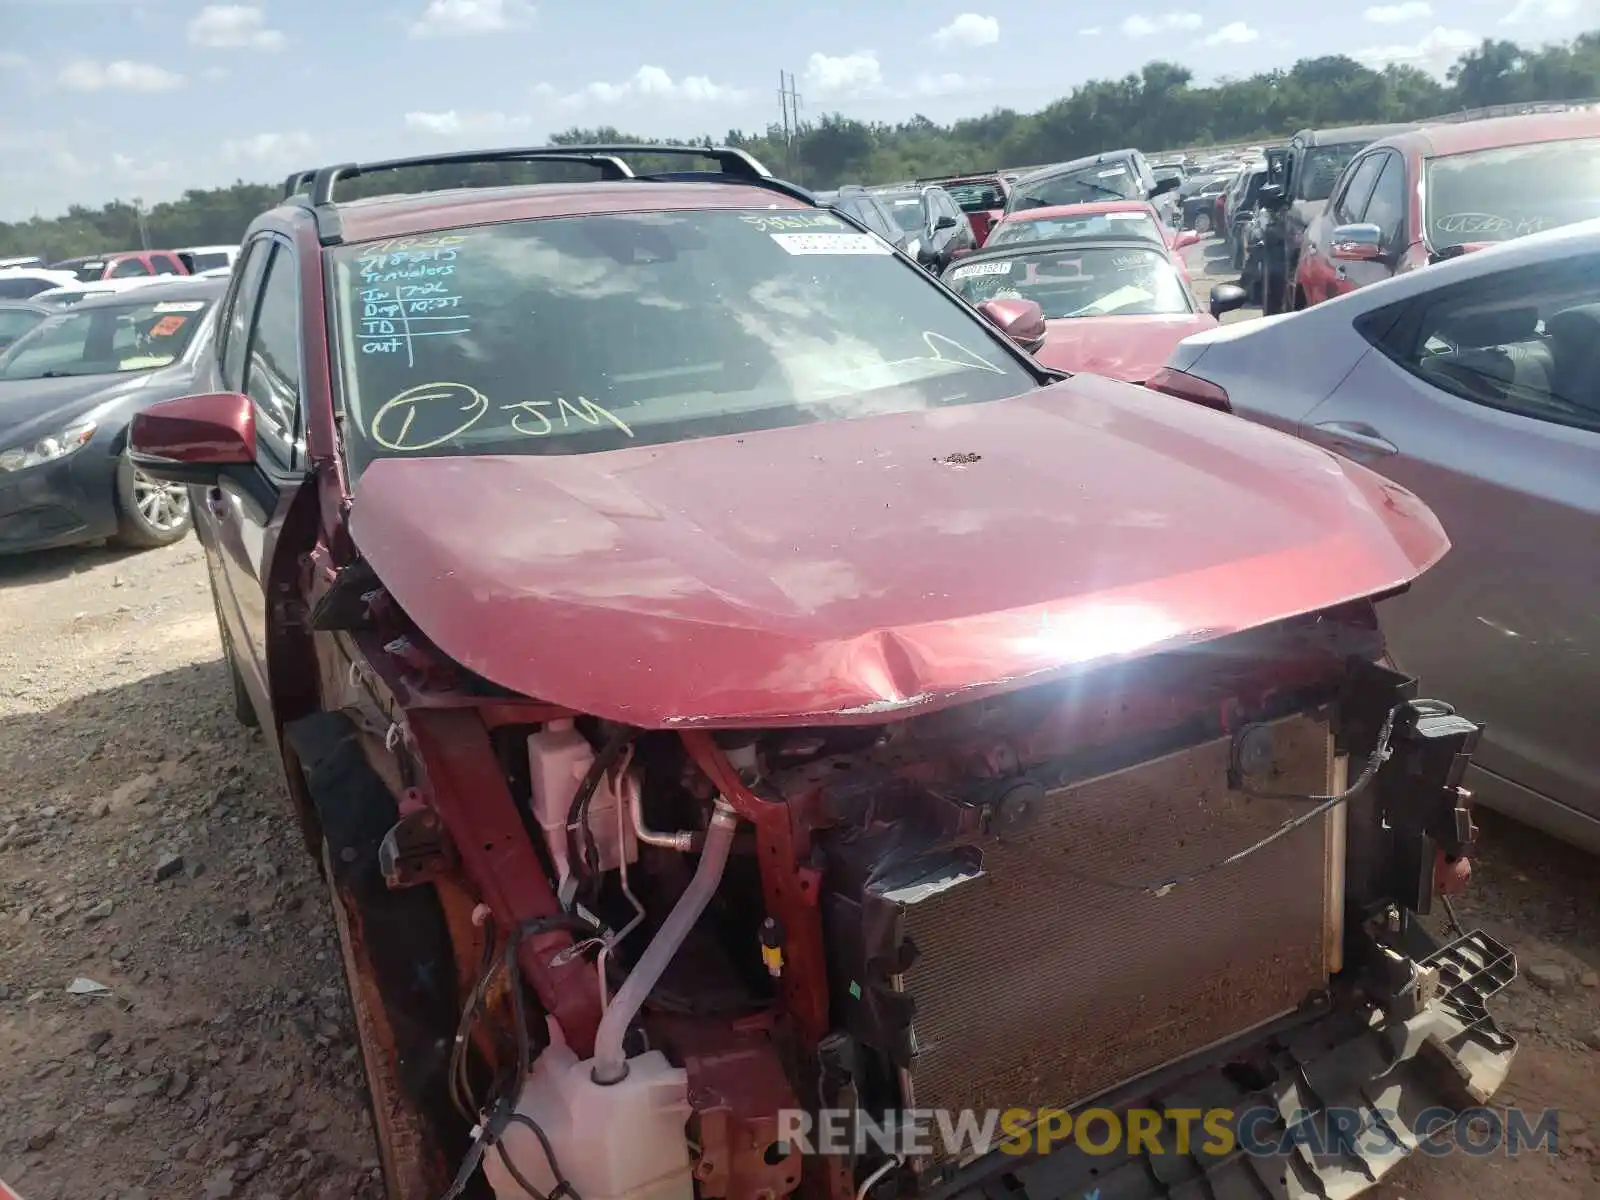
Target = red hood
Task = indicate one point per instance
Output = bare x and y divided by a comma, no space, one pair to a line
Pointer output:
1127,348
848,570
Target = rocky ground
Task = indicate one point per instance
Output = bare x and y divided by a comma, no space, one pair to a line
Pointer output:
173,1023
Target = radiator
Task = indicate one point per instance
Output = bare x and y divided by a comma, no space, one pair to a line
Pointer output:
1034,987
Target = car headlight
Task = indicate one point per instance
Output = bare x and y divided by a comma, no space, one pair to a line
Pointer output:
47,449
914,247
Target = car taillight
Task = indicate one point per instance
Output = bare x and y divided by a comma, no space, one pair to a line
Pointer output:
1189,387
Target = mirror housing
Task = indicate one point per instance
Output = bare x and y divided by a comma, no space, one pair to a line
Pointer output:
1163,186
1020,320
943,223
1272,196
194,439
1226,298
1357,243
1185,239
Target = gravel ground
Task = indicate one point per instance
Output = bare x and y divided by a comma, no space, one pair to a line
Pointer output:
145,846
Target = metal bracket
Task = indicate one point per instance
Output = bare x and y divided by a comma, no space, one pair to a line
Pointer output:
417,849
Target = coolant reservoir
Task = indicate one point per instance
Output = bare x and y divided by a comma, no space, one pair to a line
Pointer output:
558,758
624,1141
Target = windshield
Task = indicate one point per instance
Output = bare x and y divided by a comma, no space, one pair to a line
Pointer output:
1083,186
575,334
1321,167
105,341
1095,281
1087,226
85,270
978,196
1496,195
14,322
909,209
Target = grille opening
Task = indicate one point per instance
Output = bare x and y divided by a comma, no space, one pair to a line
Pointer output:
1247,1077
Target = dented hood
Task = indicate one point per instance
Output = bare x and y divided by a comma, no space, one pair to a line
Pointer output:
859,570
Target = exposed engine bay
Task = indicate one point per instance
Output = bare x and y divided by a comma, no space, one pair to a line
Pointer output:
1203,865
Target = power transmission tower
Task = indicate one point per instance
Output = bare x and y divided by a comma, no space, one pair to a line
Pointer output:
789,101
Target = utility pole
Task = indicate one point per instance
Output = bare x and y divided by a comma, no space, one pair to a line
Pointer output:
789,102
138,212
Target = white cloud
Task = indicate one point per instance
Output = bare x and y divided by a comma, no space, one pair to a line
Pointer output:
464,124
270,149
967,32
464,18
139,169
1234,33
1140,26
946,83
858,74
1435,51
87,75
653,83
1396,14
1092,31
233,27
1546,10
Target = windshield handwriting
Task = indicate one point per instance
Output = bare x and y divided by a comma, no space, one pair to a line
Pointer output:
785,222
395,426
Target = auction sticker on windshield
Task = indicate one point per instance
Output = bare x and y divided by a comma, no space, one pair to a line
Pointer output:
830,243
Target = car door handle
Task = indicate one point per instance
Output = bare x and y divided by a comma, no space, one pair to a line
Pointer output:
1357,435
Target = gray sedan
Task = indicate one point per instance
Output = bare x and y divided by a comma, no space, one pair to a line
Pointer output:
1475,384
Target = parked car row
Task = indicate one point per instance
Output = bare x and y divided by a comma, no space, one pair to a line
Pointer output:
32,278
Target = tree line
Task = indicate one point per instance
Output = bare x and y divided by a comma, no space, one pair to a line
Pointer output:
1155,108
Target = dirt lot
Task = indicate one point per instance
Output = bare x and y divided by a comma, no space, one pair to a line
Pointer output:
219,1061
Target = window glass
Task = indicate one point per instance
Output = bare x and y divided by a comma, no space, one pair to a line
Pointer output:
1525,340
128,268
1318,168
1387,207
272,377
1096,281
1089,226
207,261
575,334
167,265
1108,181
1493,195
1352,200
14,322
236,321
20,287
909,210
978,196
106,340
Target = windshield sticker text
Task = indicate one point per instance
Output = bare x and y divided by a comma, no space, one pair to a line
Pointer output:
396,305
167,326
782,222
171,306
441,241
830,243
432,414
1113,172
1488,223
1003,267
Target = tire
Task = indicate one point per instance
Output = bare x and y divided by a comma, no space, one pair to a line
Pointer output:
409,1172
149,513
1202,223
1272,296
1238,255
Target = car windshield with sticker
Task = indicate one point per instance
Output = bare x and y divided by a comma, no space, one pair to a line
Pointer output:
575,334
1101,281
1080,226
105,340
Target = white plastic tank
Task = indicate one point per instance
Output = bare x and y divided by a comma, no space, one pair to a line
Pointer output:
558,759
623,1141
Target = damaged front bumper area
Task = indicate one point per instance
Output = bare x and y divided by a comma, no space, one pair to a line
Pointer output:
1319,1105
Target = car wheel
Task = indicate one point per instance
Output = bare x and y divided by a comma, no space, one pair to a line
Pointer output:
150,513
1202,223
403,1141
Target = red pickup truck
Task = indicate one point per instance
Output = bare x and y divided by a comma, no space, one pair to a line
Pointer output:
123,265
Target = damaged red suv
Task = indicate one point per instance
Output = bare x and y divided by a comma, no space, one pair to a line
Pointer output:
753,718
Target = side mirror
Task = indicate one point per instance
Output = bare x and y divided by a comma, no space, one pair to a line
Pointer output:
1226,298
1356,243
960,252
1164,186
943,223
1185,239
1273,196
1020,320
193,438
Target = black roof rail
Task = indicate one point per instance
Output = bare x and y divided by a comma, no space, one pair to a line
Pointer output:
298,182
732,165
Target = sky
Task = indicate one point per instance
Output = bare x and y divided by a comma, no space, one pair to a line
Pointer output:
106,99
